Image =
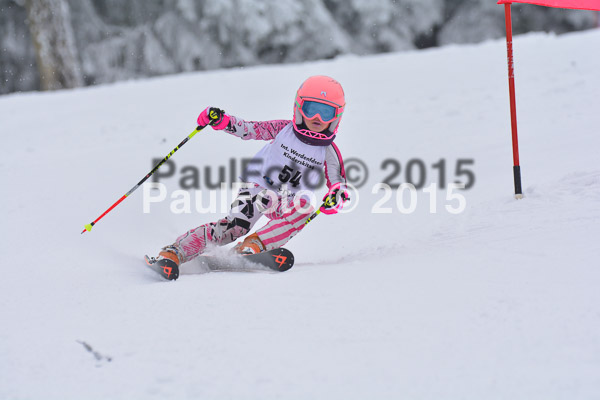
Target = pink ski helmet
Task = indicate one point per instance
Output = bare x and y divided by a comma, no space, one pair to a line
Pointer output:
323,97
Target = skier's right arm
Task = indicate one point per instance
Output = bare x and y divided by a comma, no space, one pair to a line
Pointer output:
247,130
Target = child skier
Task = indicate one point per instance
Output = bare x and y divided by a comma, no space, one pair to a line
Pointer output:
299,152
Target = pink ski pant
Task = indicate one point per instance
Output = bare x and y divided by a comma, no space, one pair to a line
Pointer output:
286,220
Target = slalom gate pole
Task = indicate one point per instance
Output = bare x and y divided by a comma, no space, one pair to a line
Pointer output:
513,106
88,227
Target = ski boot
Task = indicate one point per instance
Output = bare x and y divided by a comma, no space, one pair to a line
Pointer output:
251,245
167,263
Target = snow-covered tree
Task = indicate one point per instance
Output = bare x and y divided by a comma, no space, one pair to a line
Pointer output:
111,40
50,26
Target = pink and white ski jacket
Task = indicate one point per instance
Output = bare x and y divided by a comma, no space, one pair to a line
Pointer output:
268,130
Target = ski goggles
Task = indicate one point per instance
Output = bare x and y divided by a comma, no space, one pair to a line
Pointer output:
326,112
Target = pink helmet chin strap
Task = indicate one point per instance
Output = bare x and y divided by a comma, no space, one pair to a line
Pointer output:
313,134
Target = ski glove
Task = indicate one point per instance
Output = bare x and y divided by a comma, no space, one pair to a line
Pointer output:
334,199
214,117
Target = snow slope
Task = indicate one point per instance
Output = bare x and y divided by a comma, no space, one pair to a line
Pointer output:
499,301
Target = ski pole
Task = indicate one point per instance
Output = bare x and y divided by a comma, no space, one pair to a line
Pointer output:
326,203
88,227
314,215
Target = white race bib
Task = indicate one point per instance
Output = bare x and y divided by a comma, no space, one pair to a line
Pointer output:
287,163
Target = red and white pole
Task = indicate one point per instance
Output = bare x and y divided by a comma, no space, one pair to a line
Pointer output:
513,105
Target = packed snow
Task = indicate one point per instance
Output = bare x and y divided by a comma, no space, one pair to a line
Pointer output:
498,300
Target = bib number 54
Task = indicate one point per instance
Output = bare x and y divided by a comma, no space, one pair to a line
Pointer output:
288,174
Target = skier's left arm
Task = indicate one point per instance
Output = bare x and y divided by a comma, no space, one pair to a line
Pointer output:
335,176
246,130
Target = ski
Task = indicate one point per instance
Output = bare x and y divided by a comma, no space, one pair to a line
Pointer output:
165,267
279,260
